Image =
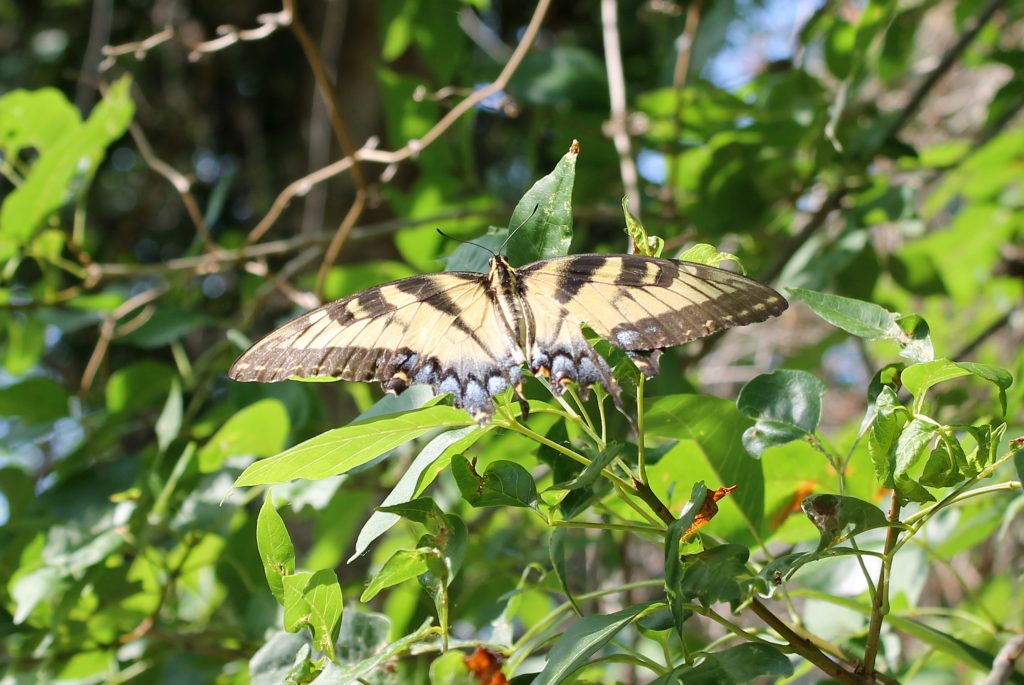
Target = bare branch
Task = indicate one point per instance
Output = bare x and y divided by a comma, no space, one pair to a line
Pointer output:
616,127
1002,667
228,35
679,76
413,147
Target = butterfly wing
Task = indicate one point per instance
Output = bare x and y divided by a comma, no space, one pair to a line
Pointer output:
438,329
639,304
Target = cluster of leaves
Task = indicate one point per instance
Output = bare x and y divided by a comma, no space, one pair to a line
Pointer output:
132,544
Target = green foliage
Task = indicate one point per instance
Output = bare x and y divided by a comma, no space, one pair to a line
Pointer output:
790,501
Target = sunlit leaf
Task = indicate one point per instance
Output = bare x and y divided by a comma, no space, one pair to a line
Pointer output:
342,449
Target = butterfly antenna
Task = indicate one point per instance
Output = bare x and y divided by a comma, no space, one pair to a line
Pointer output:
513,231
466,242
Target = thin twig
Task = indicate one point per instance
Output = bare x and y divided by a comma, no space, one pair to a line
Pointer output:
817,220
108,331
228,35
348,148
180,182
680,74
802,645
616,126
413,147
906,114
947,61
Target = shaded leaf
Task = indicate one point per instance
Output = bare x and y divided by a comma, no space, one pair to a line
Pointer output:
259,430
734,666
786,405
838,517
583,639
504,483
545,215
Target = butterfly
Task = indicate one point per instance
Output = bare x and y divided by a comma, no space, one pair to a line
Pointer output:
469,334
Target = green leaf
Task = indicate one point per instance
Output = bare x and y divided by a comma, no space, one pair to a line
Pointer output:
786,405
592,471
839,517
702,253
862,319
275,547
944,643
258,430
395,20
719,575
451,540
649,246
556,553
446,444
34,400
296,608
166,325
26,342
885,430
421,510
912,444
993,374
283,654
34,118
342,449
323,596
918,378
168,424
545,215
138,386
737,665
65,169
916,341
710,432
504,483
403,565
583,639
946,465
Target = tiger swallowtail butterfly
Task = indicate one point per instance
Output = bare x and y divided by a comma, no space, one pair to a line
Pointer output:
468,333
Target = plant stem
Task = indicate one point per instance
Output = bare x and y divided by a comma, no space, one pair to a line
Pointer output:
880,606
803,646
640,447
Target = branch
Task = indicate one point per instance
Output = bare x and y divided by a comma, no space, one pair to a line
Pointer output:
679,75
907,113
229,35
802,645
880,605
945,64
326,88
412,147
830,204
616,126
1002,666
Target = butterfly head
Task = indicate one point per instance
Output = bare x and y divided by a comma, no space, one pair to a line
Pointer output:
502,274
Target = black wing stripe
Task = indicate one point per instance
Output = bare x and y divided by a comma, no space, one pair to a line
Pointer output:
571,281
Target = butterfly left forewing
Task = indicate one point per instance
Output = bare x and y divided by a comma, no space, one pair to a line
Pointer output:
437,329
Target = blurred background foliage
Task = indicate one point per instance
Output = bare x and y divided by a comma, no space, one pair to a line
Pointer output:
872,148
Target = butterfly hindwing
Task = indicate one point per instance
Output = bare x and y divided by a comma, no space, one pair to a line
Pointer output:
641,304
438,329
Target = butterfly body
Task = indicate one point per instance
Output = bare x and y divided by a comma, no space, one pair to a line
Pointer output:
469,334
